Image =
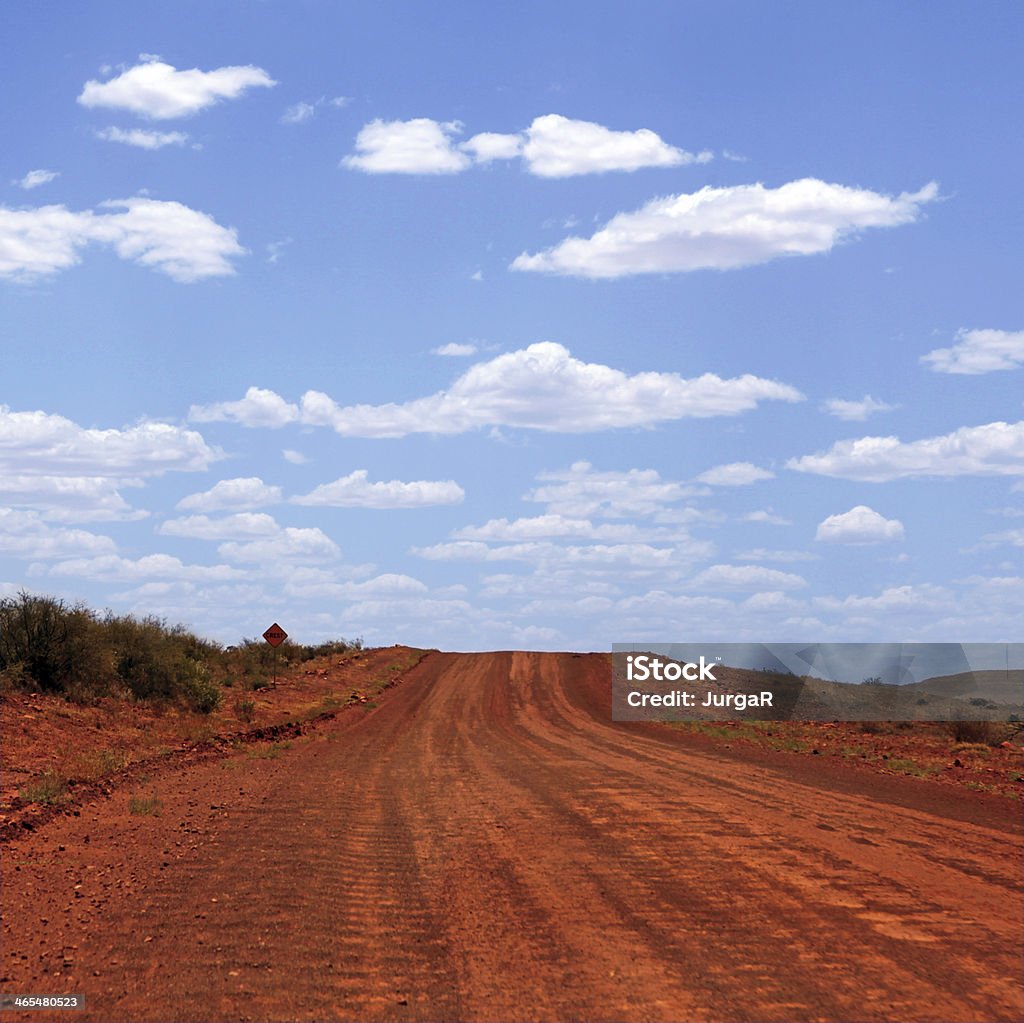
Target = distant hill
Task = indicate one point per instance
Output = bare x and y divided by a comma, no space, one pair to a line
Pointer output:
993,695
998,686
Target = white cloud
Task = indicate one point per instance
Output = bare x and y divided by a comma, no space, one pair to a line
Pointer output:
553,525
141,138
559,147
582,492
40,443
764,554
553,146
159,91
726,228
1013,537
608,556
979,351
289,545
25,534
541,387
259,407
855,411
490,145
995,449
387,585
112,568
735,474
295,457
298,112
305,110
455,349
860,525
767,516
35,178
70,498
419,146
745,577
243,492
182,243
924,598
356,491
245,525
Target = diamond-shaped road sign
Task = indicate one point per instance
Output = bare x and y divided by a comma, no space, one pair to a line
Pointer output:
275,635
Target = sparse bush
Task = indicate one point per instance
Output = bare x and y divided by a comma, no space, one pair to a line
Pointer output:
143,806
96,764
876,727
51,647
987,732
244,709
49,787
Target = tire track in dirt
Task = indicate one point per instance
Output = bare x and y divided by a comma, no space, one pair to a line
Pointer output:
486,844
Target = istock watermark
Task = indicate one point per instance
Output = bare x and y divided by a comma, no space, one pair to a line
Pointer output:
818,681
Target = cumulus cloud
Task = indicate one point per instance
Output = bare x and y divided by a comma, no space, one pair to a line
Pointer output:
764,554
356,491
389,584
552,146
419,146
553,525
925,598
1013,537
860,525
559,147
41,443
610,556
735,474
259,407
541,387
745,577
995,449
159,91
490,145
243,525
141,138
289,544
243,492
35,178
174,239
767,516
454,349
70,498
726,228
855,411
113,568
583,492
979,351
25,534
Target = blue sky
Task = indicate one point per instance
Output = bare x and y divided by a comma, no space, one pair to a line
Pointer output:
488,326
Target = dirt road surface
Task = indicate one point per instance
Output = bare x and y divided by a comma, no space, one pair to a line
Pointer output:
486,844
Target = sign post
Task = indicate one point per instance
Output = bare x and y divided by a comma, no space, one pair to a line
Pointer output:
275,636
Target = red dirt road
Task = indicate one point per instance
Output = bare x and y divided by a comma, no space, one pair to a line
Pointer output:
486,844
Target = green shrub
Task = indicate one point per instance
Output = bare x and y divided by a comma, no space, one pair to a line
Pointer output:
51,647
244,709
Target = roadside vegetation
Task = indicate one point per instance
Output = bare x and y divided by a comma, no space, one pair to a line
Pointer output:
48,646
